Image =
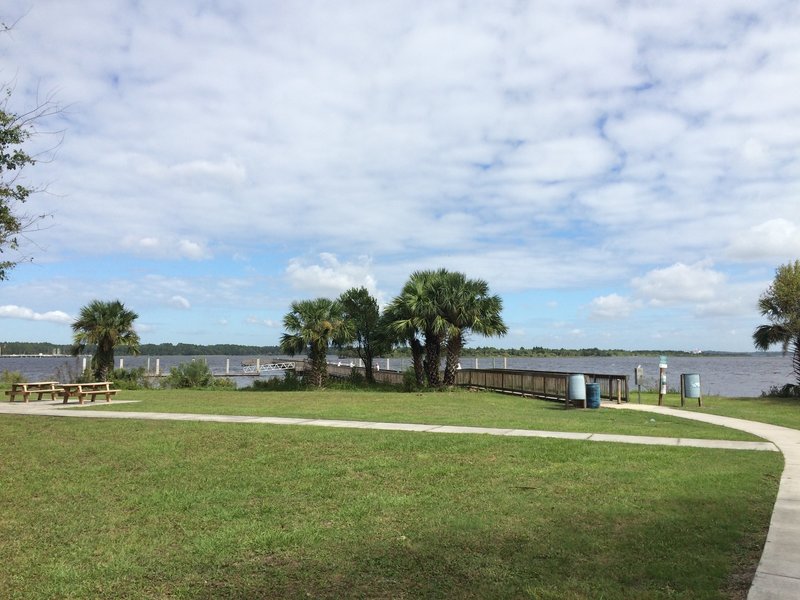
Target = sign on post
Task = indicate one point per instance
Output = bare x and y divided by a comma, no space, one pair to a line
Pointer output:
662,378
638,376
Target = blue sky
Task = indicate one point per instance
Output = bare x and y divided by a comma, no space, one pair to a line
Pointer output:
623,174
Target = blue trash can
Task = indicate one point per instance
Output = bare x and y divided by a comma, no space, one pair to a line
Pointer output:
593,395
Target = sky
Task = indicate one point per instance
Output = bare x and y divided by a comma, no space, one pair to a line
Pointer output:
624,174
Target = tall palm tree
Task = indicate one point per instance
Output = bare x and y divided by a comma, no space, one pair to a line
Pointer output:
780,304
312,326
467,306
104,325
420,311
398,328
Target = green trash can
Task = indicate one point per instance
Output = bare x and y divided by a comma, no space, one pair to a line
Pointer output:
593,395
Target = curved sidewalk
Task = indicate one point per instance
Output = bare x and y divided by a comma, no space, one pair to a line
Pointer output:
778,573
56,409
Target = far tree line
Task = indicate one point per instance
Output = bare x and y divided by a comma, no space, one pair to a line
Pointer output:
187,349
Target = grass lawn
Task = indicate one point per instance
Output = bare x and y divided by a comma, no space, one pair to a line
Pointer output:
485,409
777,411
147,509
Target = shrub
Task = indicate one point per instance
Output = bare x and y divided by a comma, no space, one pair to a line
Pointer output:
410,380
132,379
789,390
69,373
194,374
224,383
356,378
290,382
11,377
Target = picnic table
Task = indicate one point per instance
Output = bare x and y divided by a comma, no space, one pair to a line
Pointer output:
33,387
82,390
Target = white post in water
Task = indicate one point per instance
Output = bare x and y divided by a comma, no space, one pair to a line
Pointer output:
476,362
227,366
121,363
84,364
505,362
158,367
387,364
258,365
148,365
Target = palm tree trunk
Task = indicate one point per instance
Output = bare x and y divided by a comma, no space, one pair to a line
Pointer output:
104,360
417,352
796,359
454,346
367,358
319,366
433,357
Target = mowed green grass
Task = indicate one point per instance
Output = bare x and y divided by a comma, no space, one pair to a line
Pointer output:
777,411
460,407
147,509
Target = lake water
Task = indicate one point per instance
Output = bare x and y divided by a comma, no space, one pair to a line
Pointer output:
719,375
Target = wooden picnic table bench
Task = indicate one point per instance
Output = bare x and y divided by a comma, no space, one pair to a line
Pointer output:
33,387
82,390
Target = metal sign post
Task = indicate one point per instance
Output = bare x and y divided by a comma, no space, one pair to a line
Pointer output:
638,375
662,378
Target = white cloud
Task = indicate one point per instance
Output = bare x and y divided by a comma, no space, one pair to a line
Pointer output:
776,238
679,284
612,306
228,170
330,277
270,323
180,302
565,158
11,311
148,242
646,131
158,247
193,250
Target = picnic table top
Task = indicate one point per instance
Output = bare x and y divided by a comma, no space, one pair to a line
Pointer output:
26,384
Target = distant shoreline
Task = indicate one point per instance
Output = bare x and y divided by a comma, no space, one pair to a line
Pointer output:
45,349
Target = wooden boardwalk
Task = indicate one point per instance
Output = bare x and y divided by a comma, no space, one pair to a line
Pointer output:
548,385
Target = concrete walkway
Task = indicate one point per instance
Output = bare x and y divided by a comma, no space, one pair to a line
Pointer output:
778,573
56,409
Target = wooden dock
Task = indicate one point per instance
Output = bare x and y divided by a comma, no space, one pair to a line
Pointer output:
547,385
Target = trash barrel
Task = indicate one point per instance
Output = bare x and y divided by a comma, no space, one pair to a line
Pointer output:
691,385
593,395
577,388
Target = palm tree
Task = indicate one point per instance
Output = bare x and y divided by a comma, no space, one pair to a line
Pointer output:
467,307
442,307
398,328
312,326
104,325
419,311
780,304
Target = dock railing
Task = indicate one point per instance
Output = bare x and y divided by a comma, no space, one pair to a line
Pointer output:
548,385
